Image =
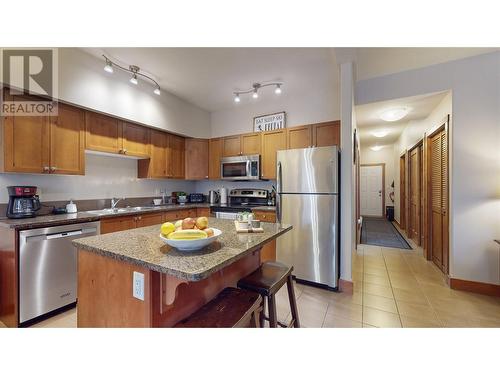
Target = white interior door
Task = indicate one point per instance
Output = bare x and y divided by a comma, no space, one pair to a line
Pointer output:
371,190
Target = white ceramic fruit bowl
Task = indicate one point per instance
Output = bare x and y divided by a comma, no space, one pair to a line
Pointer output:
192,245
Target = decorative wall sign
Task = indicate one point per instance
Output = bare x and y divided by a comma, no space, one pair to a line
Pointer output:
273,121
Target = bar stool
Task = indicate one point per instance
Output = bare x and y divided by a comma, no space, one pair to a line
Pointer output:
231,308
267,280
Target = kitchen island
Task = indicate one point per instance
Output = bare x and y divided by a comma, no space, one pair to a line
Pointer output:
175,283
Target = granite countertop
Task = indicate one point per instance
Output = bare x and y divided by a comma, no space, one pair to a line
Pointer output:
143,246
86,216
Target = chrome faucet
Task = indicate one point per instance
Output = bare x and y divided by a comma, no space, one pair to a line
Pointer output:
114,202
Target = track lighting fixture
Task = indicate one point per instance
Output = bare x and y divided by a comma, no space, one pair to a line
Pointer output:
255,90
135,70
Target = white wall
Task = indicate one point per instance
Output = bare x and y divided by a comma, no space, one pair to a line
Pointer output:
83,81
385,156
475,153
413,133
347,170
317,102
105,177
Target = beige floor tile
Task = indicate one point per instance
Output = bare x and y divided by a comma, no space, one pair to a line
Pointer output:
380,303
318,294
379,318
332,321
413,296
412,322
311,312
345,310
375,279
357,276
416,310
66,319
345,298
377,271
368,326
408,284
378,290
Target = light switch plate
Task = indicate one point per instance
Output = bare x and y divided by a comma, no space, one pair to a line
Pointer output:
138,286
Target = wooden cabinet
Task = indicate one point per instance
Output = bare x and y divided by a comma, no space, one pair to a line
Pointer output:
250,144
299,137
147,220
268,252
231,146
197,159
326,134
135,141
116,224
156,165
107,134
272,142
43,144
179,214
102,133
205,211
67,141
215,154
176,159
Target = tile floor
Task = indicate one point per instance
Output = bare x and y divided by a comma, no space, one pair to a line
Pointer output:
392,288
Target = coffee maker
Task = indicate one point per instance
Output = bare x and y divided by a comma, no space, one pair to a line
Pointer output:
23,202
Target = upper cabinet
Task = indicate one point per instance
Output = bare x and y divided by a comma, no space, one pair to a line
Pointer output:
43,144
197,159
67,141
176,159
299,137
215,154
108,134
251,144
326,134
135,141
231,146
272,142
156,165
103,133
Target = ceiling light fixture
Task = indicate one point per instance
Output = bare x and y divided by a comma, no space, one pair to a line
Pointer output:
376,148
135,70
394,114
380,133
255,90
109,65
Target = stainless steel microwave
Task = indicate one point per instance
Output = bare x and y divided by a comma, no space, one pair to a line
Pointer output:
240,167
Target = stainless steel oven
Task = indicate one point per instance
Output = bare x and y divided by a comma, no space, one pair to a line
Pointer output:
240,167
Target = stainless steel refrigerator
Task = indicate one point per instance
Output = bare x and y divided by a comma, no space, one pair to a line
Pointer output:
308,198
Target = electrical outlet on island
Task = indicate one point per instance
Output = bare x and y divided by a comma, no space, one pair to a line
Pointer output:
138,286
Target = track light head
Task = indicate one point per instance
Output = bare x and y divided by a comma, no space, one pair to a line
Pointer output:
277,91
157,91
237,98
255,94
109,66
133,80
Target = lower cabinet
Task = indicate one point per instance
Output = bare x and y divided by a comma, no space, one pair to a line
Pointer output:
268,252
116,224
203,212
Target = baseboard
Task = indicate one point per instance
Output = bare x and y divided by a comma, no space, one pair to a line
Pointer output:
346,286
475,287
397,222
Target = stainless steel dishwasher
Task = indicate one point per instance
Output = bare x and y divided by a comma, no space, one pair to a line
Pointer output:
48,268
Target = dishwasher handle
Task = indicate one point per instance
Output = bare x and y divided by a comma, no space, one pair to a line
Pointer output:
54,236
63,234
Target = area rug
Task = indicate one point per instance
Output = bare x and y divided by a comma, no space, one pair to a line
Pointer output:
381,232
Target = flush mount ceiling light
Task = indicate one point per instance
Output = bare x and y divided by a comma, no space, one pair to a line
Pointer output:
135,70
376,148
255,90
394,114
380,133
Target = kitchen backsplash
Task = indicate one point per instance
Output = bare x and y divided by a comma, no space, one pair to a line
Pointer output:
206,185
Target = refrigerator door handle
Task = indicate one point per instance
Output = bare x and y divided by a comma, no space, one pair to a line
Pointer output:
278,196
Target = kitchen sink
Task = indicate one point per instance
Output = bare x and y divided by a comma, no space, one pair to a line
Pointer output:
109,211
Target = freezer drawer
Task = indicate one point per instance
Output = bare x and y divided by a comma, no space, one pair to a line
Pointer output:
311,246
48,268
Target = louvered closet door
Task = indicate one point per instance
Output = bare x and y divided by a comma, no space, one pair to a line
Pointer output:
439,200
414,229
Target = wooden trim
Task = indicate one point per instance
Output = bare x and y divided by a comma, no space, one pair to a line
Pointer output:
383,184
475,287
9,268
397,223
346,286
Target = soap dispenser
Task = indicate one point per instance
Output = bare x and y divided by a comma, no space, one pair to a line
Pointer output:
71,207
